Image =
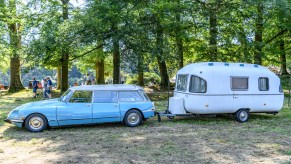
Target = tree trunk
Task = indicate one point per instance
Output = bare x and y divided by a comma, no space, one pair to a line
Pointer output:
283,57
160,58
244,44
140,69
59,73
213,53
15,82
259,35
65,72
65,54
178,39
116,57
15,42
100,71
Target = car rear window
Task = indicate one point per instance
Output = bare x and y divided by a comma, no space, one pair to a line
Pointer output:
144,95
130,96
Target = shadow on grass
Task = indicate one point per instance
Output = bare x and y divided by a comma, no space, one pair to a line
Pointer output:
198,140
182,140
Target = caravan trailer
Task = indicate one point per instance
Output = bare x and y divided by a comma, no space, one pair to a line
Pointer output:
230,88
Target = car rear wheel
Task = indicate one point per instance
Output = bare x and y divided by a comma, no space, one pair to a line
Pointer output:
133,118
35,123
242,115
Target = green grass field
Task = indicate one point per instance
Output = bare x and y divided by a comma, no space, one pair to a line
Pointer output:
264,139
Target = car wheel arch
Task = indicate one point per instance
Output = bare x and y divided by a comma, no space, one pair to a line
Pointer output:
137,110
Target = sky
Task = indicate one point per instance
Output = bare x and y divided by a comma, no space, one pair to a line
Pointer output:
77,3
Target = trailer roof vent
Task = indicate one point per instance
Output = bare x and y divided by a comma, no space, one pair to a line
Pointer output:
210,64
226,64
256,65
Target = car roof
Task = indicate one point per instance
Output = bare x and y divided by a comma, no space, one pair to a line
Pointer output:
107,87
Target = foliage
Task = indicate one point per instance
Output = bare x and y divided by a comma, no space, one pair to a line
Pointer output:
149,79
146,34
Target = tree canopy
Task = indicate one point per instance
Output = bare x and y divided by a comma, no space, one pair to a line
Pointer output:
120,38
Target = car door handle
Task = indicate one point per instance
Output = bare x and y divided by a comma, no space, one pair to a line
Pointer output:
235,97
88,105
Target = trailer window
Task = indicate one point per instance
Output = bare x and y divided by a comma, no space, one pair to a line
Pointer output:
197,85
263,84
182,82
239,83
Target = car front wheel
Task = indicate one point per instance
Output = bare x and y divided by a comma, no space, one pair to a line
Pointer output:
35,123
133,118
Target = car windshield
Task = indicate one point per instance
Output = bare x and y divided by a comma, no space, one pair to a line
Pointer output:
65,95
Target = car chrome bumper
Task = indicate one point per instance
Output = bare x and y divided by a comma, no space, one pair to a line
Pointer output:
13,121
8,121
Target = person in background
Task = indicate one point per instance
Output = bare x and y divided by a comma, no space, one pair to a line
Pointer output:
44,88
92,80
49,87
34,87
88,79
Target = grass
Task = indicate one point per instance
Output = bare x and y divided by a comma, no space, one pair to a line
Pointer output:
264,139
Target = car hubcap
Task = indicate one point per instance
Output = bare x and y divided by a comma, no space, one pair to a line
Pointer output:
35,123
243,116
133,118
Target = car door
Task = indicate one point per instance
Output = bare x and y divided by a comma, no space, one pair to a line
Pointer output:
76,110
105,107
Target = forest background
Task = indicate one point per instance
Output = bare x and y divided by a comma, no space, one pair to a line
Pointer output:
136,41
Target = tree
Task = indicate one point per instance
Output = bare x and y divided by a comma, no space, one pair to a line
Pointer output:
9,16
65,53
259,33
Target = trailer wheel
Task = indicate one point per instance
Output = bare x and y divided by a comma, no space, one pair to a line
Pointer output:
171,117
242,115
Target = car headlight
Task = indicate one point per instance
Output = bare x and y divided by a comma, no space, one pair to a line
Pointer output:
14,112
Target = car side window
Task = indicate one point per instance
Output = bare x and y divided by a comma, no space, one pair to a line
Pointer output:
130,96
81,97
105,97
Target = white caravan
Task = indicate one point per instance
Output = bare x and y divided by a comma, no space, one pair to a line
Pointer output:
234,88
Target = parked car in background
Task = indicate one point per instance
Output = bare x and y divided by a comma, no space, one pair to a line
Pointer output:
89,104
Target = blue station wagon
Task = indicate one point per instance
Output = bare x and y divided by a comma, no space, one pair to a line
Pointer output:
89,104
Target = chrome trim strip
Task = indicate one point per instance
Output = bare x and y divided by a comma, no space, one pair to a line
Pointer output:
20,121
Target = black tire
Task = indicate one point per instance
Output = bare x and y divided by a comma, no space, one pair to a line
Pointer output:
133,118
242,115
35,123
171,117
